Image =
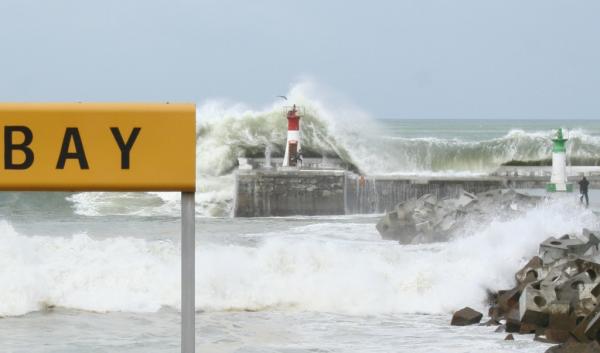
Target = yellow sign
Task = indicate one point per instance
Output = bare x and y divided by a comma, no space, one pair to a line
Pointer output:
98,147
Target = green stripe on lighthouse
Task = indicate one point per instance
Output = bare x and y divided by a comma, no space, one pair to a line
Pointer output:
559,142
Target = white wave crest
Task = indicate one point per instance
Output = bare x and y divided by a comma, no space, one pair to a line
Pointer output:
331,126
333,267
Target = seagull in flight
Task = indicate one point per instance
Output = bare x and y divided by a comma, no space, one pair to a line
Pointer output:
282,97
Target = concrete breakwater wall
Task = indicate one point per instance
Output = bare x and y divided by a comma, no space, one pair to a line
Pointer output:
262,193
286,193
377,195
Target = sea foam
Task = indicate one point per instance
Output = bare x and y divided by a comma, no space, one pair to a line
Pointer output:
340,267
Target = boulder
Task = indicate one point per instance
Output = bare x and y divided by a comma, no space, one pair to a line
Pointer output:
466,316
509,337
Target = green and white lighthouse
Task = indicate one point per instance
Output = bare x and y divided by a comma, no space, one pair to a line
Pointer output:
558,180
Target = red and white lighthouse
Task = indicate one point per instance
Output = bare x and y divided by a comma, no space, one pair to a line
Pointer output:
292,147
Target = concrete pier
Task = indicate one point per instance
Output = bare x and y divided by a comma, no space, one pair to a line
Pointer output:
264,193
285,193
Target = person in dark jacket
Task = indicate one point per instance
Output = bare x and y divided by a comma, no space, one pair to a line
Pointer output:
583,190
299,157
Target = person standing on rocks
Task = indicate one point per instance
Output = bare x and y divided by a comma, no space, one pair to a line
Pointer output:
583,190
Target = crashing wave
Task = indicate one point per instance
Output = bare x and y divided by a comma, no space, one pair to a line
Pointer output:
332,127
324,267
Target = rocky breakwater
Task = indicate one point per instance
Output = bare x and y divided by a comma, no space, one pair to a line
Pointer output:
429,219
556,296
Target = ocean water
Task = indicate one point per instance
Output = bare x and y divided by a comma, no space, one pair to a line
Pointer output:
99,272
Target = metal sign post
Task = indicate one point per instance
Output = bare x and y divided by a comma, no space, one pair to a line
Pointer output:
188,260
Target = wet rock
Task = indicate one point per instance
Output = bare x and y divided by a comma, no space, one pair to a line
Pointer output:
509,337
526,328
556,335
466,316
541,338
494,312
509,300
582,323
557,295
575,347
513,324
490,322
560,317
592,330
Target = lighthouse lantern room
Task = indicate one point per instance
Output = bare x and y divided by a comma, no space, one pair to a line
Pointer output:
292,146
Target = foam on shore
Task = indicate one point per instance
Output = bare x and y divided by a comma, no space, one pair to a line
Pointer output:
328,267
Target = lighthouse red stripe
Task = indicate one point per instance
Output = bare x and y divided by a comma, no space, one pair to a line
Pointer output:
293,124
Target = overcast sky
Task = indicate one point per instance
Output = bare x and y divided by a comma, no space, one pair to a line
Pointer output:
394,59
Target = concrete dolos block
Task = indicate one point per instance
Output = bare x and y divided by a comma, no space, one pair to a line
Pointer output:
532,271
557,295
534,305
577,288
429,219
552,249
